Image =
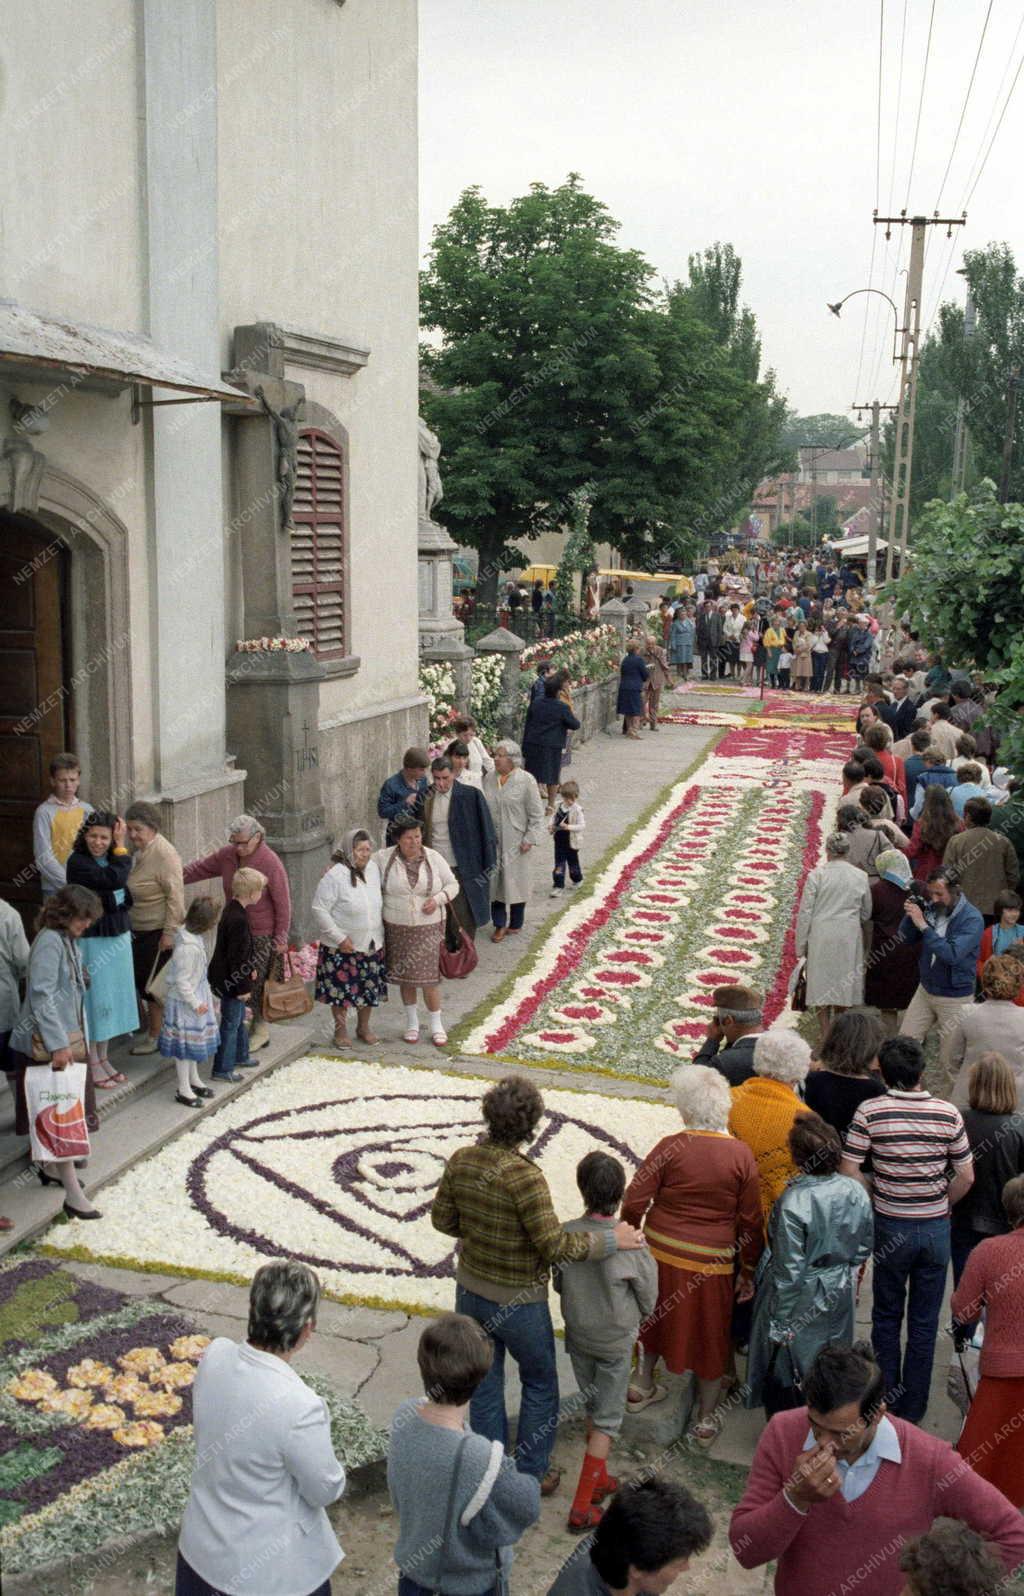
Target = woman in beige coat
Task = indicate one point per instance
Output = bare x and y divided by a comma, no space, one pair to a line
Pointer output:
517,810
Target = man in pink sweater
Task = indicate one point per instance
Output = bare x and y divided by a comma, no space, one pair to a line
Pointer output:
269,917
837,1488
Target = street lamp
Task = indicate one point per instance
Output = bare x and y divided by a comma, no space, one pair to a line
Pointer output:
897,329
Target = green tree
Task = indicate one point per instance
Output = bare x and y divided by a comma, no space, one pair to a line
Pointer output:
976,369
554,363
965,591
821,431
798,534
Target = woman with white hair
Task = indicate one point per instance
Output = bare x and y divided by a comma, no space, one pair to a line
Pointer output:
269,917
697,1196
835,906
764,1108
517,810
265,1466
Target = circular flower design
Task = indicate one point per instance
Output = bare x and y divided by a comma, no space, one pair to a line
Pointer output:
89,1373
174,1376
73,1404
144,1432
188,1347
104,1416
157,1404
142,1360
124,1388
33,1385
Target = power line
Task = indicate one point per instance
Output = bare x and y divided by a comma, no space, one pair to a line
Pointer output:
920,105
995,133
878,190
963,108
995,102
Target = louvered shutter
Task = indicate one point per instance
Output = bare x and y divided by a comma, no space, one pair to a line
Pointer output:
319,547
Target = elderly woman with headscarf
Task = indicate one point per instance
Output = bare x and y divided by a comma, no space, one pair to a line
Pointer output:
157,908
891,977
819,1233
348,915
835,904
764,1108
697,1196
265,1467
269,917
417,884
517,810
995,1026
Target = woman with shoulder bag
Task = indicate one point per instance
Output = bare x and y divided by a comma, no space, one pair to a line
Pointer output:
100,861
416,885
51,1029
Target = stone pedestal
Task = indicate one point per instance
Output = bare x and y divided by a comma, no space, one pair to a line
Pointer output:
509,648
442,637
273,706
616,612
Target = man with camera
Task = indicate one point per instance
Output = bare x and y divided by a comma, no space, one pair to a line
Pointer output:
949,930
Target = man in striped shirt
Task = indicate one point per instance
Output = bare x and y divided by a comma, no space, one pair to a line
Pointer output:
920,1165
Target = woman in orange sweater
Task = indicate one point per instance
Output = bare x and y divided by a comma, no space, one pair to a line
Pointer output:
765,1107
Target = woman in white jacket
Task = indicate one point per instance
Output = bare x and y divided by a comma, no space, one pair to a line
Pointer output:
190,1033
416,883
347,913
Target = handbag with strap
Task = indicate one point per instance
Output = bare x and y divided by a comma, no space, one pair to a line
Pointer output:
501,1586
285,996
458,954
156,985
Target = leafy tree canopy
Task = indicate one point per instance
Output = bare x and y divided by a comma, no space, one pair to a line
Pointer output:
555,364
821,431
975,369
965,592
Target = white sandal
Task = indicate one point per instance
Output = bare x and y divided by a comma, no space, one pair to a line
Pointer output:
411,1036
440,1039
657,1393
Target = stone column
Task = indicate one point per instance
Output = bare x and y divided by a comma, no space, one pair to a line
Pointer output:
509,648
273,698
273,708
442,637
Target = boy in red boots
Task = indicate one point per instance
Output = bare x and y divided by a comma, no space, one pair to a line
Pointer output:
603,1305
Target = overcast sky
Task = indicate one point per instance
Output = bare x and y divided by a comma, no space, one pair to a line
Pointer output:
749,121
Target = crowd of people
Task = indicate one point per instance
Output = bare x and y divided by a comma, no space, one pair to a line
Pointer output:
743,1235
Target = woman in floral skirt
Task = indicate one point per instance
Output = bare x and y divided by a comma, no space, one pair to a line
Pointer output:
416,885
348,914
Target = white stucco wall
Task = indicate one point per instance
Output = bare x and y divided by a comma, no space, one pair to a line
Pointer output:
69,160
318,177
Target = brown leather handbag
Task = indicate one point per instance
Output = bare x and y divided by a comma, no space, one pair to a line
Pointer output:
458,955
41,1054
285,994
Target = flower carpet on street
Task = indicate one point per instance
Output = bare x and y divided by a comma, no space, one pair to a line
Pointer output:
336,1163
703,895
96,1415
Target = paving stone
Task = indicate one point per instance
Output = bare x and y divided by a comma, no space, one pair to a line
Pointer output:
204,1297
133,1282
661,1425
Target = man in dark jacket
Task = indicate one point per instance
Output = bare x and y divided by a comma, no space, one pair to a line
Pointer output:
735,1027
457,824
949,932
709,640
900,712
403,793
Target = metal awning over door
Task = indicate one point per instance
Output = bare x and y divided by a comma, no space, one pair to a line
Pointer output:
34,347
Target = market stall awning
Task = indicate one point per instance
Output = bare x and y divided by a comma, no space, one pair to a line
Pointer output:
34,347
856,545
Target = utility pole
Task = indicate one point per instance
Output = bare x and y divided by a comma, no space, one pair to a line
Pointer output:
899,508
874,498
1012,390
961,436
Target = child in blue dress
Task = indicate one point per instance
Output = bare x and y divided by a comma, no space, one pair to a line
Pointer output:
190,1033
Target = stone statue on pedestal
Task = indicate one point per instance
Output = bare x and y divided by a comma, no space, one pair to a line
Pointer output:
442,639
431,491
286,446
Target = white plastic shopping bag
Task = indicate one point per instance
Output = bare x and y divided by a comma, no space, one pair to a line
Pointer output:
56,1112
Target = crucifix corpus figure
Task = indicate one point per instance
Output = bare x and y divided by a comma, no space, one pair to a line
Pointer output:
286,446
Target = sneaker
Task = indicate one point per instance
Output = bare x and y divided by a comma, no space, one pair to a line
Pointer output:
556,892
149,1044
259,1036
